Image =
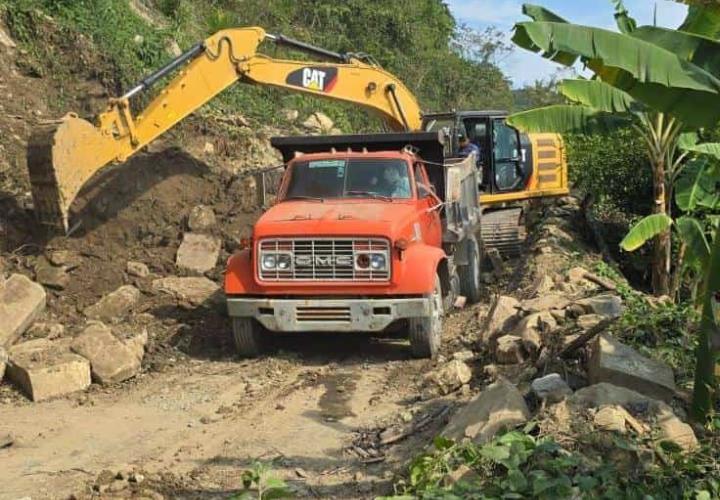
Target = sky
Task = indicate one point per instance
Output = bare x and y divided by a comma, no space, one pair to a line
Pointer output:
525,67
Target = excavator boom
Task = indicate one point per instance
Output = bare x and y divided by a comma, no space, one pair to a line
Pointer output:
63,156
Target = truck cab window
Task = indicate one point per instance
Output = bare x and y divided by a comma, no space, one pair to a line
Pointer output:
327,179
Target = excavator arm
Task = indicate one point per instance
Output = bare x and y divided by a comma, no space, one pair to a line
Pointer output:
63,156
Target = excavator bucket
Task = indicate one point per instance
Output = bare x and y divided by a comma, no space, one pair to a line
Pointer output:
62,157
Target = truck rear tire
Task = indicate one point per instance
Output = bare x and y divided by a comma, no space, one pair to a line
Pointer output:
248,337
426,331
470,274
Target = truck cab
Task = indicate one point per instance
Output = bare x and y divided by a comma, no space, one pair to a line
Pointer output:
366,233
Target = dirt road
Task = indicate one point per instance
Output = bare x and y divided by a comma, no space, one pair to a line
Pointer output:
205,420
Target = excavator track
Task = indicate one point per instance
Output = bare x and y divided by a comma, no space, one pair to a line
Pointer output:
504,229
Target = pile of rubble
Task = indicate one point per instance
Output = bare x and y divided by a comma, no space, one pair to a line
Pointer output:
545,351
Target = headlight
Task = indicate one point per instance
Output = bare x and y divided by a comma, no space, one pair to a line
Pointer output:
378,262
269,261
284,261
372,261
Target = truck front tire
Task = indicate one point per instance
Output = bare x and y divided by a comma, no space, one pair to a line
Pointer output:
426,331
470,274
248,337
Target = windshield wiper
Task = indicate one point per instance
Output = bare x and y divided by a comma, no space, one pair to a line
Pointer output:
369,194
299,197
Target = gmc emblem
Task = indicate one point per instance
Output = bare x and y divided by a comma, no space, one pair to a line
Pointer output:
323,260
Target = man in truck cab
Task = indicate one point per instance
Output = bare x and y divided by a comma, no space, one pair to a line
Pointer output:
396,181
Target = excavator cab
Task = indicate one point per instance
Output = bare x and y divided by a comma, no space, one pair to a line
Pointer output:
515,166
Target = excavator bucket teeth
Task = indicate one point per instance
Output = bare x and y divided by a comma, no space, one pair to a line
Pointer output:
62,157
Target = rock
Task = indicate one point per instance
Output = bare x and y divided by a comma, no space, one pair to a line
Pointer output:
21,303
551,388
547,302
249,190
191,291
46,330
615,363
501,318
44,369
614,418
319,122
138,39
173,48
543,284
68,259
500,406
198,253
464,356
115,305
6,440
137,344
509,350
5,40
674,430
201,218
450,376
574,311
603,394
607,305
290,115
209,148
3,362
460,302
577,275
531,339
51,276
111,360
137,269
587,321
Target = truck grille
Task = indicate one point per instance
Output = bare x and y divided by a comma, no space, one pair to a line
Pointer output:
318,259
322,314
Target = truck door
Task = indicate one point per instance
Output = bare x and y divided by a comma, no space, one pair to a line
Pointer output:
509,169
430,224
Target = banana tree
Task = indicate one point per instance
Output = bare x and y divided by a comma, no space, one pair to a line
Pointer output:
655,80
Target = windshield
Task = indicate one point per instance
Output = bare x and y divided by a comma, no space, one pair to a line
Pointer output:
321,179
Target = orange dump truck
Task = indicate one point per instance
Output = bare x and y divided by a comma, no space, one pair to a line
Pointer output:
367,232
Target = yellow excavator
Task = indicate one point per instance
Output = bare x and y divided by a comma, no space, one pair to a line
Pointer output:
63,156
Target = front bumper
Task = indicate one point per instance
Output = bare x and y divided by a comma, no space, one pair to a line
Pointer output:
327,315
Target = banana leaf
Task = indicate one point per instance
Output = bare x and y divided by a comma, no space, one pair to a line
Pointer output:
650,74
538,13
598,95
625,23
698,186
699,50
564,119
703,20
704,388
645,230
692,234
707,148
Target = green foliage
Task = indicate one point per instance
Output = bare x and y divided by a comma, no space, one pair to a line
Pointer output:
445,65
614,168
520,465
262,484
645,230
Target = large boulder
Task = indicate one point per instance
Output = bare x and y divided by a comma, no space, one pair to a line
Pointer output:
319,122
115,305
44,369
201,218
500,319
21,303
616,363
500,406
190,291
110,359
546,302
509,350
450,377
198,253
551,388
606,305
